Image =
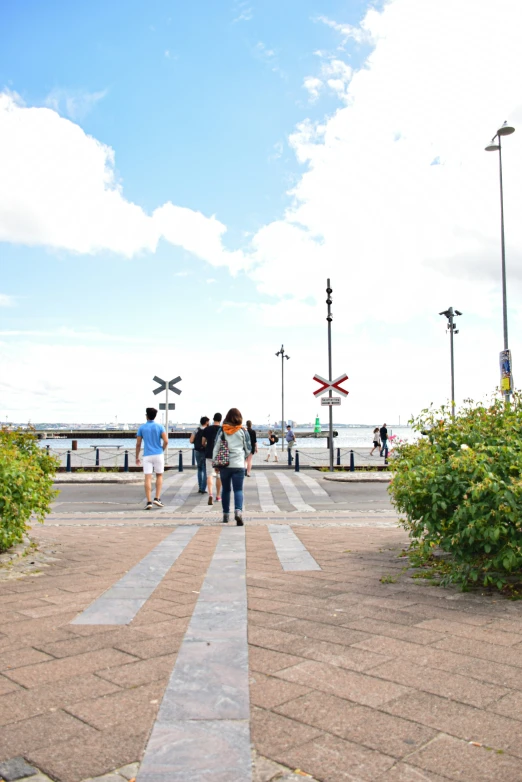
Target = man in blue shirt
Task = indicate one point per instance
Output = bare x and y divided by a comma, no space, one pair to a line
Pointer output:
155,442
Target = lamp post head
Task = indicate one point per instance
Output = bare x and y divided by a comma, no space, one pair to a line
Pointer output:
506,130
492,146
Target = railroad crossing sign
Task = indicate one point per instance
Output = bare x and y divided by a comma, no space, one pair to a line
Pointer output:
172,406
163,385
330,385
330,400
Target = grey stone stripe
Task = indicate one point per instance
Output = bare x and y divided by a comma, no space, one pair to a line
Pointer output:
293,555
312,484
120,604
183,492
292,492
266,498
202,732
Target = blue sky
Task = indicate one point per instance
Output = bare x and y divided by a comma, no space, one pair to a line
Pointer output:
298,125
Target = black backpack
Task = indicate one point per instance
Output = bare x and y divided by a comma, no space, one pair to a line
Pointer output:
198,438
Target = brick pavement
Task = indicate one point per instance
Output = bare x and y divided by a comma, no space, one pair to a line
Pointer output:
351,678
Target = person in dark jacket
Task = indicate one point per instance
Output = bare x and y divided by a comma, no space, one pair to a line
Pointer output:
253,442
197,440
384,439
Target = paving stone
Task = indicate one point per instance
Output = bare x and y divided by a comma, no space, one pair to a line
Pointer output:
267,661
21,737
510,705
338,654
267,692
7,686
16,768
351,685
403,772
457,759
88,643
273,734
482,634
56,670
360,724
129,771
102,713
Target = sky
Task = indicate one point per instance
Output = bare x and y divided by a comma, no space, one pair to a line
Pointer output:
178,181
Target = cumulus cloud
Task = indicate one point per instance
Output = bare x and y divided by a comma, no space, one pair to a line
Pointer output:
75,104
59,189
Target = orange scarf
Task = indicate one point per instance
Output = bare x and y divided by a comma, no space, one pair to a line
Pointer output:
228,429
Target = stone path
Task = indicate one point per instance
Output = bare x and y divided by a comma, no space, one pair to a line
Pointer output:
350,677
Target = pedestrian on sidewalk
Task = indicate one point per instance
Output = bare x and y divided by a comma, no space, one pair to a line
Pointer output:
155,441
272,445
376,440
384,439
253,442
290,439
208,440
196,439
232,476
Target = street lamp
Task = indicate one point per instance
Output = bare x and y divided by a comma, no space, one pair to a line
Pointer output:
450,314
283,355
494,145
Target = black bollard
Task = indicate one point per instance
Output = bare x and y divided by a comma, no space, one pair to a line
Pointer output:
48,447
180,461
338,457
289,457
386,455
97,457
126,462
352,462
297,461
68,468
193,457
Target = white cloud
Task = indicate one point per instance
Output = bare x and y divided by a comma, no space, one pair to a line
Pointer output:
244,12
366,32
6,301
59,189
335,74
313,85
75,104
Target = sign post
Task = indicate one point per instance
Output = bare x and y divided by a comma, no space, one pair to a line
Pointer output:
506,379
163,385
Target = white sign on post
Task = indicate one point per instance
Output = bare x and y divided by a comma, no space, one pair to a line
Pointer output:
328,401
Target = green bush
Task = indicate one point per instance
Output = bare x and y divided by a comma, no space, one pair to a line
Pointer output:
460,489
26,483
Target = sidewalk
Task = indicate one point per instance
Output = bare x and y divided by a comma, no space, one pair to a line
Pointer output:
351,677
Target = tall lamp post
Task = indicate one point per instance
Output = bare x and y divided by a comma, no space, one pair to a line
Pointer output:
450,314
494,145
283,355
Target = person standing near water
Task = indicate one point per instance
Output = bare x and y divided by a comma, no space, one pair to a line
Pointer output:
272,443
384,439
155,442
196,439
210,436
232,476
253,442
376,441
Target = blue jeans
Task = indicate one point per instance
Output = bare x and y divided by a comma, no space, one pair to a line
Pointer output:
384,448
202,470
232,477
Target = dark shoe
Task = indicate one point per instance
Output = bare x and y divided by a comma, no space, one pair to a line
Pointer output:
148,506
210,500
158,502
226,518
238,515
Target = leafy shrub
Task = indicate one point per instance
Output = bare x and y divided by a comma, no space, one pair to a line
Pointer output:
26,483
460,488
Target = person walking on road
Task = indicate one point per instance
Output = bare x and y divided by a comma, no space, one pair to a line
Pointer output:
272,446
253,442
290,439
196,439
376,441
232,476
209,438
155,440
384,439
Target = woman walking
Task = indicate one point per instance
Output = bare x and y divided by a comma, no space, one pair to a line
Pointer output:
253,442
376,440
272,448
232,476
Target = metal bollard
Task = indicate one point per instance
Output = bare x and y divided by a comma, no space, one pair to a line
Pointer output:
126,462
297,461
386,455
97,457
68,468
193,457
289,457
338,457
180,461
352,462
48,449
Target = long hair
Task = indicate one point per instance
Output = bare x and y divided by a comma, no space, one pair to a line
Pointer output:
233,417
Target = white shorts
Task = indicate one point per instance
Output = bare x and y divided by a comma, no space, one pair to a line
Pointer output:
273,450
155,462
211,471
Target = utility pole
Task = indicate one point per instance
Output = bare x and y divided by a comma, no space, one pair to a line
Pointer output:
450,314
330,407
283,355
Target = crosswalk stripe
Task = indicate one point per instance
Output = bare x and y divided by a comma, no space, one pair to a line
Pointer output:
312,484
266,498
292,492
183,492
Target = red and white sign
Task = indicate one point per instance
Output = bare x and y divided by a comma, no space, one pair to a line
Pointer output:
327,385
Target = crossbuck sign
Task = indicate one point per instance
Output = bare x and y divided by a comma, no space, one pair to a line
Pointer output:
330,385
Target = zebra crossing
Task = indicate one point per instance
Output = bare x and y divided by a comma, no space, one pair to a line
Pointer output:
274,491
